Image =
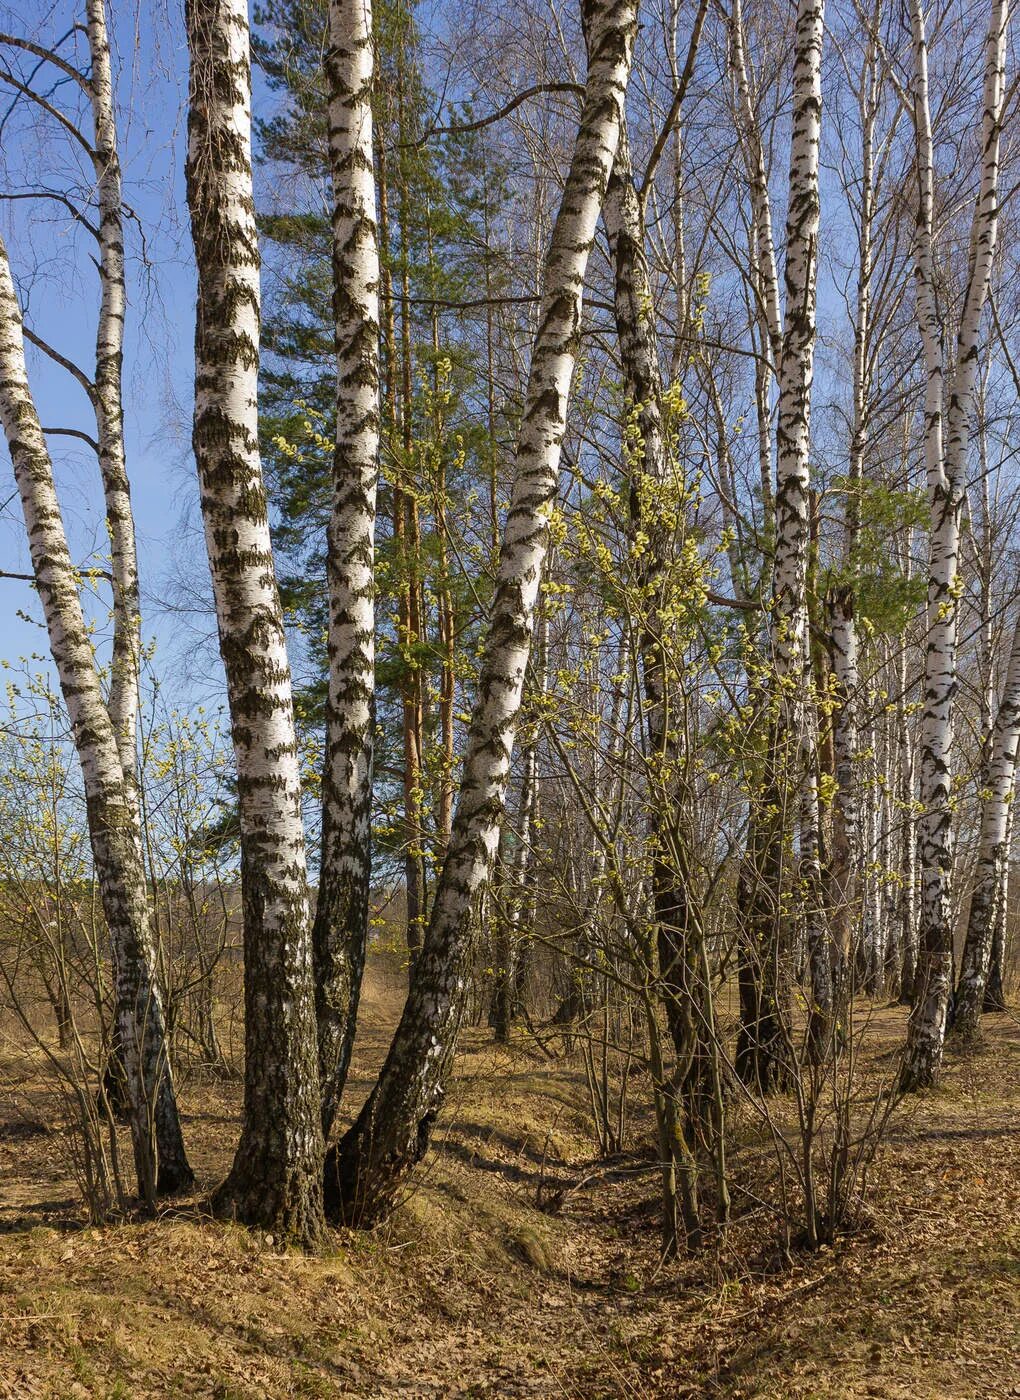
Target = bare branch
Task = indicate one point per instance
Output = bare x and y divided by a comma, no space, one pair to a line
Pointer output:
62,360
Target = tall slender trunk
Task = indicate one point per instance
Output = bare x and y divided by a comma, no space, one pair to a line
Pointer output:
160,1160
513,923
908,839
678,932
123,702
340,929
415,871
845,865
946,464
392,1131
995,996
846,854
992,850
276,1178
764,1048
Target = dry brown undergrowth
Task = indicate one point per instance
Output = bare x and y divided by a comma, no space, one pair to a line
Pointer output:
474,1291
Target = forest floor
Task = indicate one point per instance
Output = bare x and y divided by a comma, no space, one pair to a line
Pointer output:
473,1290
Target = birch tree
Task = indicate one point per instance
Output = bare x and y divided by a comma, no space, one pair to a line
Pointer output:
790,783
276,1178
392,1131
988,889
161,1163
946,440
341,917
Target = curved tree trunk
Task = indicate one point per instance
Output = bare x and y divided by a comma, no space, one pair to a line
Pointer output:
340,930
392,1131
276,1178
160,1160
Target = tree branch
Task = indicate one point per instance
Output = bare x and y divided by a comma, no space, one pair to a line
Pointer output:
75,433
511,106
62,360
675,105
48,56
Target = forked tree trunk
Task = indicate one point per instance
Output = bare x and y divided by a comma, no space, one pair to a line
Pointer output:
340,931
160,1160
992,852
276,1178
392,1131
946,469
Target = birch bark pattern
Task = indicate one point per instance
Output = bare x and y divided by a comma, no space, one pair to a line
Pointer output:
276,1179
161,1163
365,1171
992,852
124,678
763,1046
340,929
946,466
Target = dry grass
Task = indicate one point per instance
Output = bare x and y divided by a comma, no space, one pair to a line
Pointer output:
472,1290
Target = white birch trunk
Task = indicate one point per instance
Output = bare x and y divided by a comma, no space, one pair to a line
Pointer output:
340,931
845,865
392,1131
762,1053
160,1159
992,850
946,468
124,678
276,1177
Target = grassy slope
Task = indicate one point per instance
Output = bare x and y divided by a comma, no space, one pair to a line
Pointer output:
471,1290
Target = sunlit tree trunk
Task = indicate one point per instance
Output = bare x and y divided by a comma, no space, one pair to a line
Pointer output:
995,996
992,850
946,464
276,1178
392,1131
340,930
160,1159
763,1053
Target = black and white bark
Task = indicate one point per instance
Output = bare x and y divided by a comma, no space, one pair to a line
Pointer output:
160,1159
276,1179
340,929
763,1049
947,429
124,674
365,1172
988,891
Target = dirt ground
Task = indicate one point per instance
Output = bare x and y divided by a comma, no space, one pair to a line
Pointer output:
474,1290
